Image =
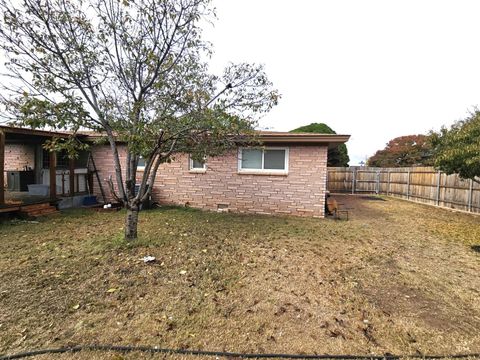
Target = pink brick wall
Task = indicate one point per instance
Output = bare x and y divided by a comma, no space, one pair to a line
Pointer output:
17,156
301,192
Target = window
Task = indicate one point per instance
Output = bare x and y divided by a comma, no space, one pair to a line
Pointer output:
141,163
45,159
268,160
63,161
197,165
82,160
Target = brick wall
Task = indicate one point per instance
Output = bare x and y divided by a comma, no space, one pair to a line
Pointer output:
301,192
17,156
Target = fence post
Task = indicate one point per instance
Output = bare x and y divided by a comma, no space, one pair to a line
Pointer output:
470,195
326,180
388,182
354,172
408,184
378,182
437,197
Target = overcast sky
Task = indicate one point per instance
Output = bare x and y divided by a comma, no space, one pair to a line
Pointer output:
372,69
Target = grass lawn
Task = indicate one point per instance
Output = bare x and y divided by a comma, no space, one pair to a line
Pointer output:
397,277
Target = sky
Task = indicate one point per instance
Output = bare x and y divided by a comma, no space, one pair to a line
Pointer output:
374,69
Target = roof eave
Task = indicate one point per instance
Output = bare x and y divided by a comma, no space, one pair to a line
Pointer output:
32,132
305,139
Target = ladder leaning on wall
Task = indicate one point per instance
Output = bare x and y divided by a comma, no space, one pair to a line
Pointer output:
95,171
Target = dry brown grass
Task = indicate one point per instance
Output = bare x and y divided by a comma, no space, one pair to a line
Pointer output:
397,277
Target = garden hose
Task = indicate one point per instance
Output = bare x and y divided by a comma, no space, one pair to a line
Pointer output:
153,350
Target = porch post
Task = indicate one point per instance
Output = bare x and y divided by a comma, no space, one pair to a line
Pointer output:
2,168
71,173
53,175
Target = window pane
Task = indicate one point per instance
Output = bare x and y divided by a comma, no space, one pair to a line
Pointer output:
62,160
141,162
197,164
45,159
274,160
251,159
82,160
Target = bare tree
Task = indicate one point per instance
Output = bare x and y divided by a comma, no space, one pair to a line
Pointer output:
136,71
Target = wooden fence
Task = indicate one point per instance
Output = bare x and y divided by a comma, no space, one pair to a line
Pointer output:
421,184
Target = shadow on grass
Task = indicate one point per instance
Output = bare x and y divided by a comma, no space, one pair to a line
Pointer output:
475,248
173,207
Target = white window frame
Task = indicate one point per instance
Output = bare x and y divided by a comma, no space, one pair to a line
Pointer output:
197,170
263,171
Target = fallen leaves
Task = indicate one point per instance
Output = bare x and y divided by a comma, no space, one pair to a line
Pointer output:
303,283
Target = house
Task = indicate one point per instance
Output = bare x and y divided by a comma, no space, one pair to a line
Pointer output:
287,175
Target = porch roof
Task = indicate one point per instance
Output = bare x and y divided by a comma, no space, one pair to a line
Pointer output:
34,132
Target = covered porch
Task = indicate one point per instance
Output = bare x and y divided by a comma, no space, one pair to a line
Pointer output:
35,176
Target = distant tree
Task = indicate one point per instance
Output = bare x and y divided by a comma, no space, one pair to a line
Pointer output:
410,150
337,156
457,150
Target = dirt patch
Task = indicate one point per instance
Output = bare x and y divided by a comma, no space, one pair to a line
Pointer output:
373,198
396,298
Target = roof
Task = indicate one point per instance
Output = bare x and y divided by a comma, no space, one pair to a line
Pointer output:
34,132
303,138
278,137
267,137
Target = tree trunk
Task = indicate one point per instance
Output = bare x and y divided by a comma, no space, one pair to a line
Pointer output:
131,223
